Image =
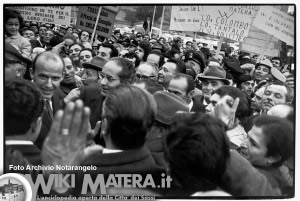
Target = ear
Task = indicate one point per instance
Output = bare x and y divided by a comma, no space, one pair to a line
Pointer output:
31,73
191,94
104,127
273,159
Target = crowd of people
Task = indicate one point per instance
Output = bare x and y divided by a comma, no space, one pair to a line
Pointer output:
220,124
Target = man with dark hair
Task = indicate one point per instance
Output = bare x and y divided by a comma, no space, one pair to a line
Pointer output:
143,50
196,149
277,62
169,69
107,51
147,25
47,73
269,145
183,86
123,130
262,71
156,57
235,132
23,109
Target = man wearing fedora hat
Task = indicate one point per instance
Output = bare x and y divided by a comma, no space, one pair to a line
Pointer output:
15,64
90,72
212,79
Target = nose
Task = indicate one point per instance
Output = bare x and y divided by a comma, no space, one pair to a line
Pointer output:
103,81
49,82
209,86
208,109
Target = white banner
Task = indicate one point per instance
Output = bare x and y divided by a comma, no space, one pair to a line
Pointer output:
232,22
46,14
276,23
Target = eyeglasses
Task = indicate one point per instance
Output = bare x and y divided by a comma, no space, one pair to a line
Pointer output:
108,78
41,29
139,76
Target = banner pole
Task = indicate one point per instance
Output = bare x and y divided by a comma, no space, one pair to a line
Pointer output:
96,23
152,21
263,49
219,47
162,21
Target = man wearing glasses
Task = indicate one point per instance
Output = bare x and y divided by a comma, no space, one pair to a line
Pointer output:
116,71
146,70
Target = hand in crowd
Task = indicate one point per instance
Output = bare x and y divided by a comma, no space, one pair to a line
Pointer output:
67,137
92,133
225,110
58,47
72,96
78,81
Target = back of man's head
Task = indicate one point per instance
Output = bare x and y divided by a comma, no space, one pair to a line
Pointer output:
23,105
127,69
196,149
180,65
114,51
129,116
243,107
278,135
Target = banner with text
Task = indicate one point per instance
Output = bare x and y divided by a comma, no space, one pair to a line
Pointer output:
46,14
232,22
87,16
276,23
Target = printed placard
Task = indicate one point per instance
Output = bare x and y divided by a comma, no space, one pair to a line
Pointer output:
87,16
232,22
46,14
276,23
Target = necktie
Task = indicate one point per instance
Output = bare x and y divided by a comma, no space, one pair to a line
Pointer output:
49,110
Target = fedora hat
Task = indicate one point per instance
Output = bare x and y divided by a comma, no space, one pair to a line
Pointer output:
167,105
96,63
215,73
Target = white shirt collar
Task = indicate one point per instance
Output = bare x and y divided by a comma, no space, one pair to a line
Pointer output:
18,142
109,151
191,105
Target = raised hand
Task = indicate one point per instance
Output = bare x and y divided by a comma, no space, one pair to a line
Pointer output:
72,95
225,110
67,137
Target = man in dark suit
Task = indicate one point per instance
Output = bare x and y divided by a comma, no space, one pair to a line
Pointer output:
23,108
147,25
183,86
124,133
47,72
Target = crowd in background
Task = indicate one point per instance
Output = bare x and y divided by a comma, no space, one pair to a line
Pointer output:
221,124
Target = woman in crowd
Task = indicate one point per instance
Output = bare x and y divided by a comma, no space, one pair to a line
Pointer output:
13,21
74,54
